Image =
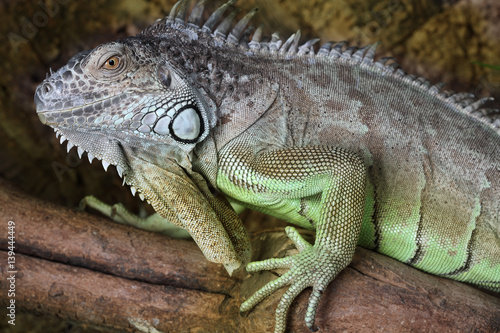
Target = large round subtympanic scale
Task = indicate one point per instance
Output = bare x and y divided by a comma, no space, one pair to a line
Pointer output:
186,126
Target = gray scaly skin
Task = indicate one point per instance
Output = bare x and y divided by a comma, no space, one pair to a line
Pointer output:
327,139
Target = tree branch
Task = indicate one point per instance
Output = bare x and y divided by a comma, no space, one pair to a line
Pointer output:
92,271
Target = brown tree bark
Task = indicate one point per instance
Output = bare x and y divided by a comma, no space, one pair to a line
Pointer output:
92,271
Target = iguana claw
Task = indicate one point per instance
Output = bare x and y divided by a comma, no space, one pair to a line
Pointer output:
311,267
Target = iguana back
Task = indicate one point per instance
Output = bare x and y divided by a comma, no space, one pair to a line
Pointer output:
433,167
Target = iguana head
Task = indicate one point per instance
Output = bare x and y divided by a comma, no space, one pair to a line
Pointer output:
123,94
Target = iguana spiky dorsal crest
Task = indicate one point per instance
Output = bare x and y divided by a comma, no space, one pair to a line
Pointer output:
251,42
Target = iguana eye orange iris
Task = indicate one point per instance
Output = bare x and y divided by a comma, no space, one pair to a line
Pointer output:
112,63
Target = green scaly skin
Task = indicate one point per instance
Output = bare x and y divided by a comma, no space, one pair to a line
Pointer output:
329,199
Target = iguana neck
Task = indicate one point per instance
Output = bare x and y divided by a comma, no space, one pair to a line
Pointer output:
214,66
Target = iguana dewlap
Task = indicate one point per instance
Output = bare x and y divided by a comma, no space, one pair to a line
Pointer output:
326,138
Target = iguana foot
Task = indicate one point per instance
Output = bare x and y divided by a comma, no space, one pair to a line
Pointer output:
313,267
120,214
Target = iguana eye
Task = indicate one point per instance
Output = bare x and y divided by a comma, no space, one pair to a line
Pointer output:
112,63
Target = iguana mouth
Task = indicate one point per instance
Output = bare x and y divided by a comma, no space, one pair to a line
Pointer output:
67,115
41,108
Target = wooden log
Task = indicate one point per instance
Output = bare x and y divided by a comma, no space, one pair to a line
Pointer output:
92,271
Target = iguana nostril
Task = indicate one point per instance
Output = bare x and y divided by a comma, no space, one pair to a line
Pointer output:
46,89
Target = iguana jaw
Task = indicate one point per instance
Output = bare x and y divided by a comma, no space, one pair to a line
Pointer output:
97,146
114,148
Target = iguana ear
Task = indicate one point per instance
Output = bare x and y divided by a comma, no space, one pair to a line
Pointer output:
187,116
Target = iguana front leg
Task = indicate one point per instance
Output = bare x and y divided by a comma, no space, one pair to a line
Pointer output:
315,187
185,200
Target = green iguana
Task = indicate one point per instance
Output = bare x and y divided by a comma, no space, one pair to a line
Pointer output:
326,138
